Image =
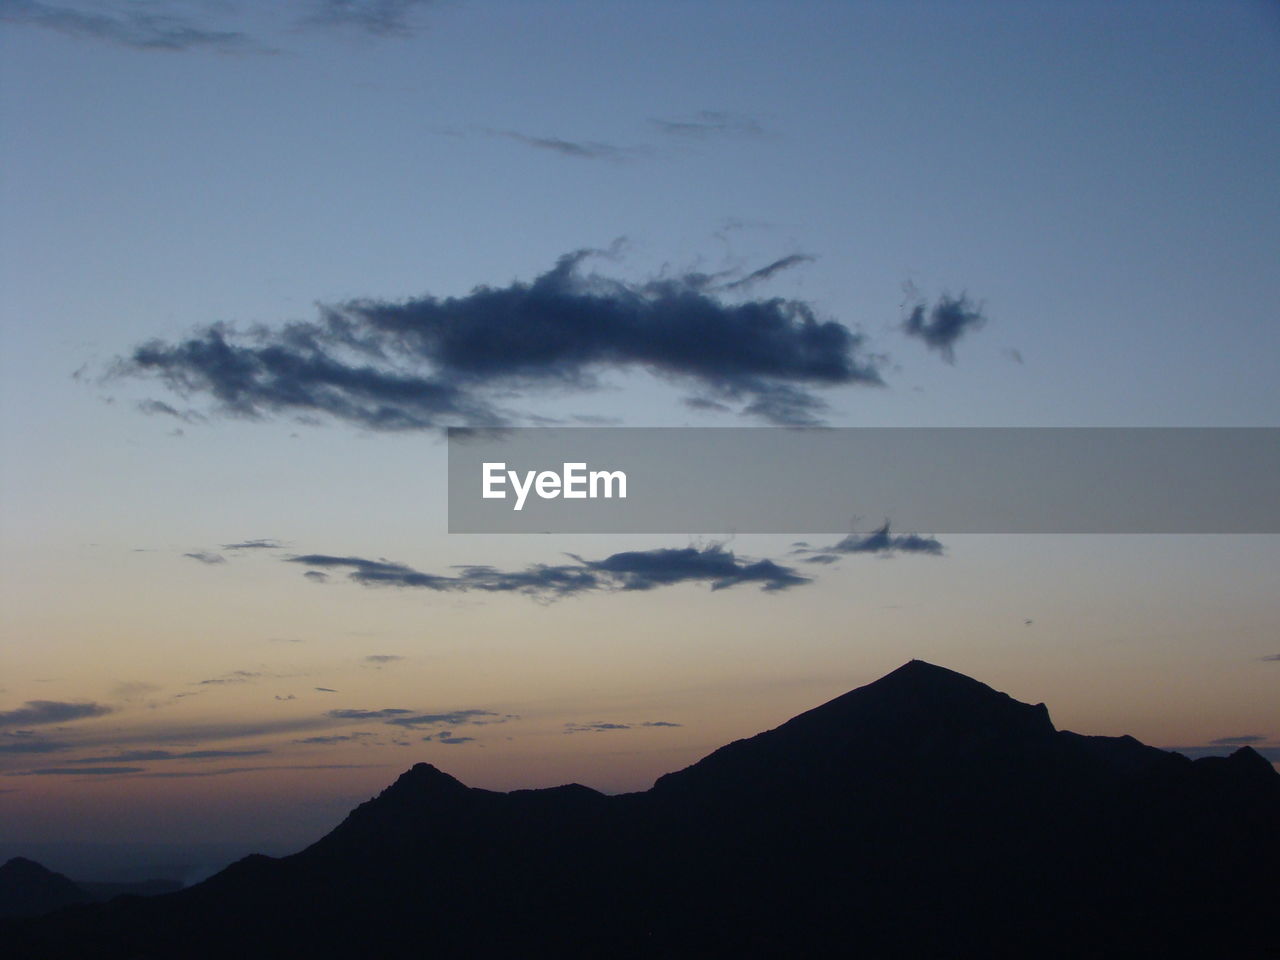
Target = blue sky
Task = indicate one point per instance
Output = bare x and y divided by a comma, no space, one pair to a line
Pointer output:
1097,178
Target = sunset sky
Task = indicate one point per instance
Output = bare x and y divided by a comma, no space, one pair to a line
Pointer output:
241,253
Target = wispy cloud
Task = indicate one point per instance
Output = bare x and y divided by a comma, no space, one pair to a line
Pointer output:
206,556
382,18
126,24
580,149
447,737
385,714
13,743
76,772
151,756
429,362
607,726
454,718
382,658
235,676
629,571
37,712
710,123
253,545
881,542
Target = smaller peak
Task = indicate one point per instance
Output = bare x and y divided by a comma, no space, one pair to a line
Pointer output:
14,864
424,777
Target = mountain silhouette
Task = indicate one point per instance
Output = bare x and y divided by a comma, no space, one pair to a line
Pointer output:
922,815
27,889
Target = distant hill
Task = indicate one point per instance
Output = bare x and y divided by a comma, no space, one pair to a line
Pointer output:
28,890
923,815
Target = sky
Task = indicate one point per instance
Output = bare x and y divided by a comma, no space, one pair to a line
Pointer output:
256,257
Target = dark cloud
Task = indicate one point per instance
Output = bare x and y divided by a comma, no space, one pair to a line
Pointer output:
77,771
31,745
254,545
367,714
206,556
881,542
36,712
382,658
429,362
767,271
315,576
150,756
940,326
1240,741
582,149
605,726
599,726
325,690
228,771
347,738
632,570
447,736
235,676
455,718
1272,658
710,123
126,24
383,18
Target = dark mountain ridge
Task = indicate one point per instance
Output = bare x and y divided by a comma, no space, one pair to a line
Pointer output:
924,814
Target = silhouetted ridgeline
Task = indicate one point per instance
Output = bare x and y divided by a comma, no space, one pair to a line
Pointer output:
922,815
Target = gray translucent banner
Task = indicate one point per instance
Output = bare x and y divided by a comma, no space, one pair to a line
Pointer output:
824,480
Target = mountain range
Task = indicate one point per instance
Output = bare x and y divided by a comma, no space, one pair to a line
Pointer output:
922,815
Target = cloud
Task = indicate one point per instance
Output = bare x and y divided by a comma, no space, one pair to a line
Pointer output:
124,24
1272,658
150,756
76,771
382,18
382,658
767,271
581,149
606,726
235,676
710,123
628,571
347,738
455,718
207,557
228,771
36,712
599,726
315,576
446,736
1238,741
429,362
880,541
325,690
946,322
31,745
367,714
254,545
153,407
